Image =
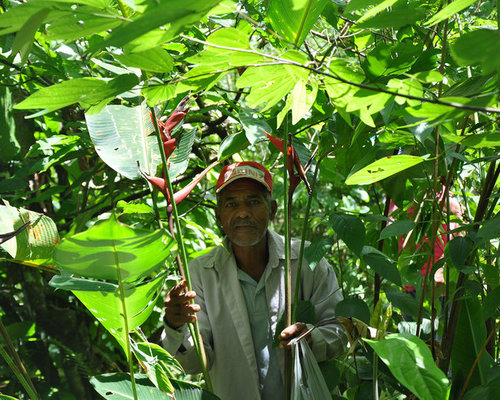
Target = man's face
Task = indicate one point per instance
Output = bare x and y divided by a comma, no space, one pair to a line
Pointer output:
244,212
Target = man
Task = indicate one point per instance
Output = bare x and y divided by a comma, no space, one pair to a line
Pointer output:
239,291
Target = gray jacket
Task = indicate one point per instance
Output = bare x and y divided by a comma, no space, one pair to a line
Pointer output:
224,324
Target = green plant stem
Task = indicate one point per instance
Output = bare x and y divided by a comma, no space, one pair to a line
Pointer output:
193,327
449,334
15,363
476,361
288,294
375,376
305,227
125,322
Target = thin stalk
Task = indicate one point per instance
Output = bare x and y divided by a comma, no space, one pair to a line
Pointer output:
474,365
305,227
125,323
288,294
375,376
15,363
449,334
193,327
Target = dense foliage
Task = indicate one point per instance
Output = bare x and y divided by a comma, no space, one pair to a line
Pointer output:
391,106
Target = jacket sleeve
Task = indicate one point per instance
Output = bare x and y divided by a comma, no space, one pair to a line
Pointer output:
179,342
320,287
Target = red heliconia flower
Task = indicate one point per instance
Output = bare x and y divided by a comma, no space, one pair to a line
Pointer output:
173,122
293,160
161,185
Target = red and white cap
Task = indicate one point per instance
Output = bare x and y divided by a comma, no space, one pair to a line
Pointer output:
245,169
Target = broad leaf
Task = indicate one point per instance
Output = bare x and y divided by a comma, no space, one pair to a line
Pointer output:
87,91
109,309
117,386
469,339
411,362
272,83
33,245
233,144
490,230
156,60
382,264
293,19
158,364
458,250
158,14
376,9
397,228
112,251
123,136
491,303
179,159
353,307
254,127
350,229
405,302
452,8
317,250
382,169
478,47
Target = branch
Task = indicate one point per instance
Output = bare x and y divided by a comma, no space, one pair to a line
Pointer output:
282,61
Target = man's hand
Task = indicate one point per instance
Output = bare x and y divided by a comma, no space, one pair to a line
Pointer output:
178,307
293,331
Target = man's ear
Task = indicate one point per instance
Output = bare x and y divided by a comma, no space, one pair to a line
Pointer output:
274,208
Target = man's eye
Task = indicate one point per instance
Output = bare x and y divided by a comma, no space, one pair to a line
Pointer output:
230,204
254,202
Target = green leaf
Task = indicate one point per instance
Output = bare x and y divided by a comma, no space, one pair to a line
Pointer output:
353,307
254,127
405,302
109,310
158,93
88,91
155,60
458,250
478,47
489,230
394,18
317,250
350,229
123,136
158,364
66,281
293,19
75,26
180,157
232,144
354,5
397,228
451,9
270,84
412,364
35,245
112,251
303,98
10,145
382,264
166,12
375,10
469,339
25,36
117,386
491,303
383,168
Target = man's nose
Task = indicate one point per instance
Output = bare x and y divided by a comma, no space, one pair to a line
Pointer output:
243,211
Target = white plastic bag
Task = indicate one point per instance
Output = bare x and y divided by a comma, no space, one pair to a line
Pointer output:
308,382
